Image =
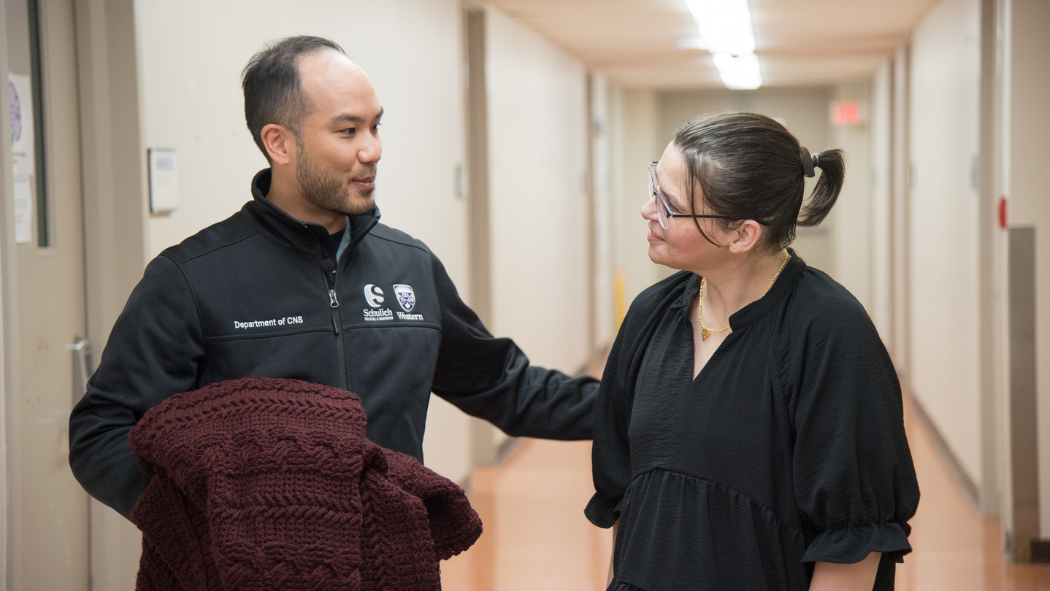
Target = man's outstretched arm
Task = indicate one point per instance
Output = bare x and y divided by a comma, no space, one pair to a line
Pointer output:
491,378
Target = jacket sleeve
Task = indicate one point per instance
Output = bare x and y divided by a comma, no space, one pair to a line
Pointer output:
491,378
154,351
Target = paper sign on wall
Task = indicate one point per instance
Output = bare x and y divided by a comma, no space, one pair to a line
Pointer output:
22,153
163,181
23,211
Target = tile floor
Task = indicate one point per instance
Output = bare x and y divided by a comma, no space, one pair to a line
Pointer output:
537,538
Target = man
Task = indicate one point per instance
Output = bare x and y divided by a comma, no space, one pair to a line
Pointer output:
304,283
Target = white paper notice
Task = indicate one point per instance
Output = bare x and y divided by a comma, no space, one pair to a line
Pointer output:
22,152
23,211
163,181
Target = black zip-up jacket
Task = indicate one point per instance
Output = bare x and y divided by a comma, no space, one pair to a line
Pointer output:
259,295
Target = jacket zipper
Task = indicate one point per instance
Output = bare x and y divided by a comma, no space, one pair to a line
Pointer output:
333,303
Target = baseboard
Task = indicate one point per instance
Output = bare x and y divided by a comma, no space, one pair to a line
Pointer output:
1025,550
954,465
506,447
467,484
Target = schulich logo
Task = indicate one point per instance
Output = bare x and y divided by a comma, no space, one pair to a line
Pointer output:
374,295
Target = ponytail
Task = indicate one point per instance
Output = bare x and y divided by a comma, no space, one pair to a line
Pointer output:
832,164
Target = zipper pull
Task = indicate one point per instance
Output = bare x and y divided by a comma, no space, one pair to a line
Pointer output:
333,301
335,325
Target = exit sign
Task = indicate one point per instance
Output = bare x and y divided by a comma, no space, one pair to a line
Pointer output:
847,112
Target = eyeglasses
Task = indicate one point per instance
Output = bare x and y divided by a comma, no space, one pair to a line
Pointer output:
663,209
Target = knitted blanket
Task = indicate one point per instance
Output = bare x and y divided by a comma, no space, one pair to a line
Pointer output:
267,484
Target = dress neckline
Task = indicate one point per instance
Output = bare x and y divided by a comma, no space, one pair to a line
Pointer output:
758,308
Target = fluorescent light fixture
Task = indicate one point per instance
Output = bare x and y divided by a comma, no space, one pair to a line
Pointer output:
687,43
738,72
725,25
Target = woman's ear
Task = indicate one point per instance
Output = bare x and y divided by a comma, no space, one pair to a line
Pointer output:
745,237
279,142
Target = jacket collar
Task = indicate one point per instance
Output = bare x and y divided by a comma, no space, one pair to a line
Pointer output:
296,234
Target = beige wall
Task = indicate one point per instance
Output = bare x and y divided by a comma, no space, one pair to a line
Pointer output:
1027,128
851,228
634,145
601,170
881,231
944,83
537,194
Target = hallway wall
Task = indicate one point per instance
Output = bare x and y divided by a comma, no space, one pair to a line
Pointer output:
1026,127
537,103
944,127
881,308
634,145
850,233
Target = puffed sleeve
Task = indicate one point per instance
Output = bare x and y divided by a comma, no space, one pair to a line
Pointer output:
853,475
611,452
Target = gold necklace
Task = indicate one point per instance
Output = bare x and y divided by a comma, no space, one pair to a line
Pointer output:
706,332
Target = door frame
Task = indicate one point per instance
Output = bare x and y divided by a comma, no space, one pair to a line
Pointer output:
113,184
7,364
113,188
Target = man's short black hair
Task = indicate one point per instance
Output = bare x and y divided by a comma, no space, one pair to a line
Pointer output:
273,91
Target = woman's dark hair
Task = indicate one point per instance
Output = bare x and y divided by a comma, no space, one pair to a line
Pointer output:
273,91
749,167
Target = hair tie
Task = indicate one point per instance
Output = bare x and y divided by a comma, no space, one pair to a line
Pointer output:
808,161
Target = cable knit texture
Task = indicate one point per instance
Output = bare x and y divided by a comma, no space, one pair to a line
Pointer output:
268,484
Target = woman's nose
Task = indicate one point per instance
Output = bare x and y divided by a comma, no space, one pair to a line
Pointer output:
649,209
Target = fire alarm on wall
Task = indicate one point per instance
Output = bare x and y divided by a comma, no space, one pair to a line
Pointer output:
1002,212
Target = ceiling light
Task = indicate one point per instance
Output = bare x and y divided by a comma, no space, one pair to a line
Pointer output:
687,43
725,25
739,72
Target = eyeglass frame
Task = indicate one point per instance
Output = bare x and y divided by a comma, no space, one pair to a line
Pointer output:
661,201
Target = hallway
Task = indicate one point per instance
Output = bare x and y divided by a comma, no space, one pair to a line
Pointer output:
536,536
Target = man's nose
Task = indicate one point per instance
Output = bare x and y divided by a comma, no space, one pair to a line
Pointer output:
371,151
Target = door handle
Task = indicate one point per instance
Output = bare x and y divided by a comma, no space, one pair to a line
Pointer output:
82,367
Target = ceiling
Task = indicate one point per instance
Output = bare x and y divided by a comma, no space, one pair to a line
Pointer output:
798,42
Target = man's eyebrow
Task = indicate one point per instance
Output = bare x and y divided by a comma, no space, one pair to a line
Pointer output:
350,118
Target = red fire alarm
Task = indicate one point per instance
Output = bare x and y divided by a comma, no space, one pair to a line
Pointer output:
847,113
1002,212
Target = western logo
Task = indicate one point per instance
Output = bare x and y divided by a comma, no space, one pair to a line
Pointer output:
374,295
405,296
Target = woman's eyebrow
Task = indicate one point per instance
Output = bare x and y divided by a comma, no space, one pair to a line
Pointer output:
672,199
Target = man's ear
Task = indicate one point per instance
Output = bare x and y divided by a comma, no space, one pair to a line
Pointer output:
279,142
746,236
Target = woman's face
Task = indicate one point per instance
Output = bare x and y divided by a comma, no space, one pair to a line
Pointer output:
680,246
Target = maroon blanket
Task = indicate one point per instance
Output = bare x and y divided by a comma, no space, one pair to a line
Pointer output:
262,483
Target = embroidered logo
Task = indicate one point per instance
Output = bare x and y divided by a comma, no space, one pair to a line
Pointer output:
405,296
374,295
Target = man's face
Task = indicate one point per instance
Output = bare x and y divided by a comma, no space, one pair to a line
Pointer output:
338,145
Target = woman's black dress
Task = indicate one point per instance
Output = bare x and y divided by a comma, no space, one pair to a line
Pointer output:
787,449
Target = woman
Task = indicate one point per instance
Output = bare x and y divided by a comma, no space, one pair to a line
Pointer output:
749,430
